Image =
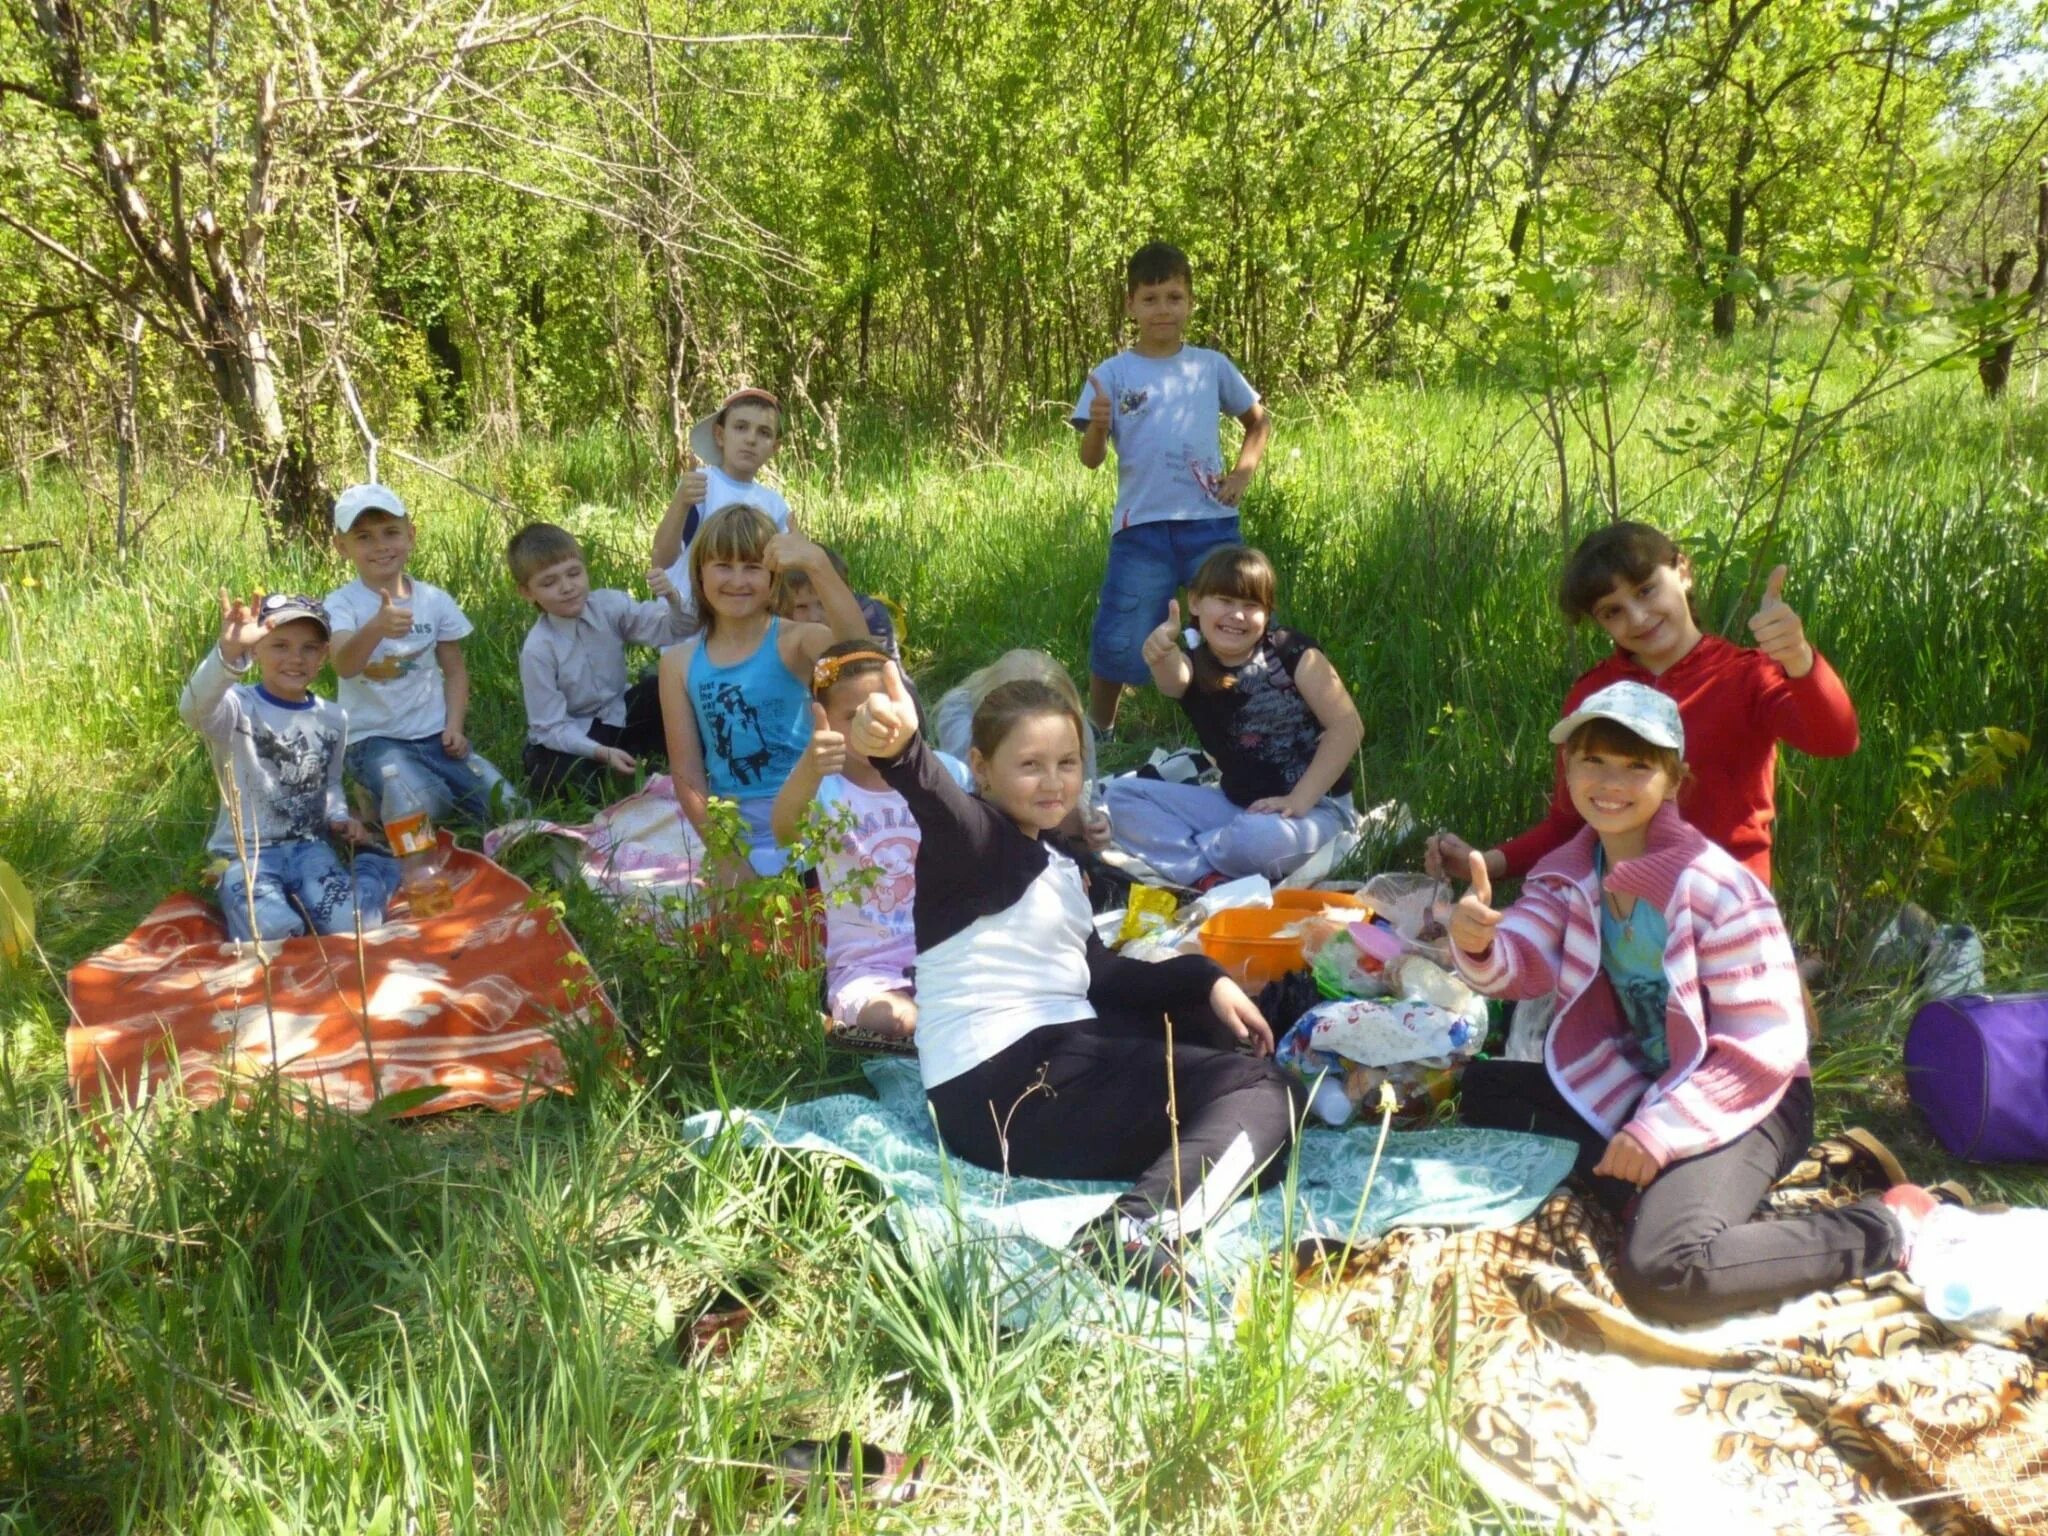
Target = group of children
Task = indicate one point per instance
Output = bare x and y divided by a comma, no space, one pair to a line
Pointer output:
956,911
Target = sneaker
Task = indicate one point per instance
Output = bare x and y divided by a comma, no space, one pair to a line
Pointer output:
1139,1264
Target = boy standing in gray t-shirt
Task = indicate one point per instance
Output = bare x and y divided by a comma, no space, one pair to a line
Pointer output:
1159,402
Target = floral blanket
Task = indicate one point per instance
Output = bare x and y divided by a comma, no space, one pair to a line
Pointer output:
1852,1412
639,850
467,1002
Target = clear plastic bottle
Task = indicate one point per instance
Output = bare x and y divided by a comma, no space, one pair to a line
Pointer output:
422,867
1982,1269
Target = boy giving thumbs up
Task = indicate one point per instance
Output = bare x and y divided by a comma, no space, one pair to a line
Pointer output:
398,654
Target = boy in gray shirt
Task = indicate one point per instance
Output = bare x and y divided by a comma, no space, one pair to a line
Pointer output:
277,751
1159,402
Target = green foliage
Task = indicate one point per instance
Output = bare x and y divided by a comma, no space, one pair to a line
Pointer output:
258,1319
1939,773
609,214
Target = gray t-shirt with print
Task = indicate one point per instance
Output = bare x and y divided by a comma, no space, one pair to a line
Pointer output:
1164,427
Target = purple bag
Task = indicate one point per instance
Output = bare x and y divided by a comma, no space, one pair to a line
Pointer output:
1977,1067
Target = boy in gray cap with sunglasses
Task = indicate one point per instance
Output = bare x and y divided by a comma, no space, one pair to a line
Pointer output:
277,750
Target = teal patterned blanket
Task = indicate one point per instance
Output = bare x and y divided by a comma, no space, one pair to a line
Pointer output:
1009,1235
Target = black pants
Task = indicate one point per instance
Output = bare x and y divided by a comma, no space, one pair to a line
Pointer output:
1090,1101
549,771
1691,1249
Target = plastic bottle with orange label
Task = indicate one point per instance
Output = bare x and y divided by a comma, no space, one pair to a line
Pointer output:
422,867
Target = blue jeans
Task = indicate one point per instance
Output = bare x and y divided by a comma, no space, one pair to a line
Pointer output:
463,787
1148,563
307,879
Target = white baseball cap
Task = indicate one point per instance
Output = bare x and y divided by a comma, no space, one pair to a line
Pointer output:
367,497
704,442
1642,709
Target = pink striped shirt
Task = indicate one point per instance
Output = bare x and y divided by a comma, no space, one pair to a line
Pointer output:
1735,1023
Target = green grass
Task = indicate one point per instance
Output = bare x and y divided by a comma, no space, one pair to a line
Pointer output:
249,1320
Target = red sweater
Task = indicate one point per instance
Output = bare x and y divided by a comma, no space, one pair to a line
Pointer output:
1736,705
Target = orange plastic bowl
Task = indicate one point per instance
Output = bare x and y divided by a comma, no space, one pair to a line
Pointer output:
1245,941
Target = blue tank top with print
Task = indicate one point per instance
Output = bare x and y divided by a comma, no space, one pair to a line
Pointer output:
753,719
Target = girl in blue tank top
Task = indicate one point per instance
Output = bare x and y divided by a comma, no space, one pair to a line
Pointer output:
735,697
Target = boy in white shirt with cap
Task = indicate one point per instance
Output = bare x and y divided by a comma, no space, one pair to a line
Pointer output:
398,654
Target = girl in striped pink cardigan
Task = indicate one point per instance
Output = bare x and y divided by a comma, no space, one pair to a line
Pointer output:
1677,1057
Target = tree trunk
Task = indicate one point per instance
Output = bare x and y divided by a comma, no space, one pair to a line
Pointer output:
1994,369
282,465
195,287
867,301
1518,236
1734,237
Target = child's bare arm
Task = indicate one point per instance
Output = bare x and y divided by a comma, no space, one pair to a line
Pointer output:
352,651
668,533
1258,434
679,726
826,754
794,552
455,694
1164,659
1343,733
1095,436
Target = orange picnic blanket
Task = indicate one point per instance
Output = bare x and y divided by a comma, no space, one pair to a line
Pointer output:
467,1001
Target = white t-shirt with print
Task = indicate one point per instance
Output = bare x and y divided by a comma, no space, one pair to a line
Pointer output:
871,933
399,692
722,491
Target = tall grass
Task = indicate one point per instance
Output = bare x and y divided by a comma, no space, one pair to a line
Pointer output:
257,1320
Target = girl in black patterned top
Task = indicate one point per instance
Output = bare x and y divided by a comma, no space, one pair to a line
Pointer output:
1269,707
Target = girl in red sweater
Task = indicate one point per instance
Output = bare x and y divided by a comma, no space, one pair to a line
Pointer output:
1737,702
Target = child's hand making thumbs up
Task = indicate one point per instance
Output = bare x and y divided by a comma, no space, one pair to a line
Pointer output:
1163,657
1164,642
827,751
1779,633
392,622
885,722
1473,919
1100,407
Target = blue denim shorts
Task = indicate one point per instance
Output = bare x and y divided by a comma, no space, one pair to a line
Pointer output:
1148,563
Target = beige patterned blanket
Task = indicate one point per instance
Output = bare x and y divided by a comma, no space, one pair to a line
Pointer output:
1853,1412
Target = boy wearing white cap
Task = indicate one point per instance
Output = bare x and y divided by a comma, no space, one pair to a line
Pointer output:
732,444
1677,1056
398,654
277,757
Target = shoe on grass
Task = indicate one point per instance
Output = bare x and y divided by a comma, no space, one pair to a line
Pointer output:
1870,1162
1134,1263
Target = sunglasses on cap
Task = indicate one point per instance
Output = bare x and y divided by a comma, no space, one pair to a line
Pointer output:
826,672
280,607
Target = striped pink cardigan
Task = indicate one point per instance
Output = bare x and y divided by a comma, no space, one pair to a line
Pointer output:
1736,1024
